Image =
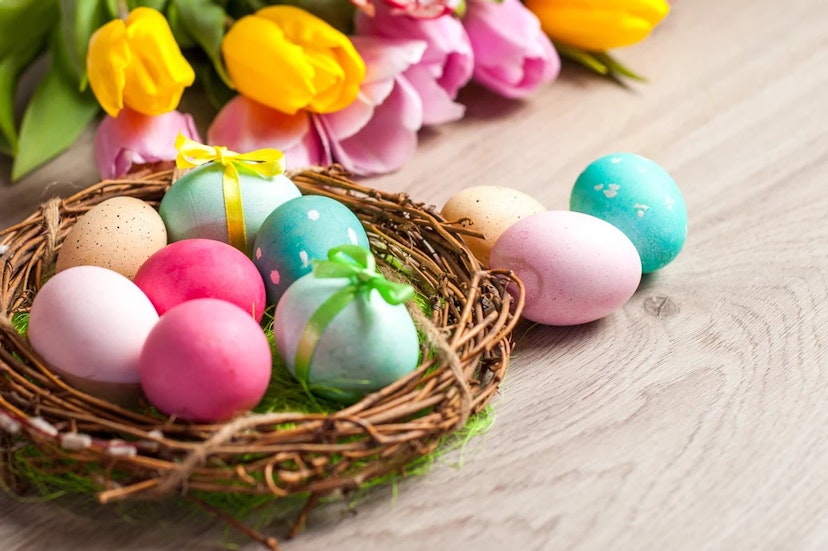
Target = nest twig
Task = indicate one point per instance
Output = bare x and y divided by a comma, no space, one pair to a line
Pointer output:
142,454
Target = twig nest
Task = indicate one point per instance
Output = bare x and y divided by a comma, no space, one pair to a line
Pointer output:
466,328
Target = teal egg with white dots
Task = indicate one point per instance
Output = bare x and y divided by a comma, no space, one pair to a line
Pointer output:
640,198
298,232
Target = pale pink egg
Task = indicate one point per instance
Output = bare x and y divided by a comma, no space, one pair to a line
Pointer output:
89,324
202,268
576,268
206,360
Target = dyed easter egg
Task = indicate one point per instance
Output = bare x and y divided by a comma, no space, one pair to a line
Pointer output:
489,210
299,231
89,325
640,198
367,346
202,268
576,268
119,234
205,361
194,205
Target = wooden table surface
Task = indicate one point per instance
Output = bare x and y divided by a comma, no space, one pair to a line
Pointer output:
699,426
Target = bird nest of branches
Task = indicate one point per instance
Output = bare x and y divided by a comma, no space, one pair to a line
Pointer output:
465,318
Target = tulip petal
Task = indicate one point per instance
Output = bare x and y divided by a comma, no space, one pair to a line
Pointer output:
289,60
599,25
264,66
107,58
389,139
135,138
385,58
438,107
246,125
158,72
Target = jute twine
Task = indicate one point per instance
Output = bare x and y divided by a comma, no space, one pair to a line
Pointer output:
137,454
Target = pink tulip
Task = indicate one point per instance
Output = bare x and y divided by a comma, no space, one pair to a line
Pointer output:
446,65
413,8
512,55
375,134
244,125
134,139
378,132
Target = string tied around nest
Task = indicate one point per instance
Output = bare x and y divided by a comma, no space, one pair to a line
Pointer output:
359,266
267,162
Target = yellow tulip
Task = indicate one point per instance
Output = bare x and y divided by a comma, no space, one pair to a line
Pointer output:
599,25
288,59
136,63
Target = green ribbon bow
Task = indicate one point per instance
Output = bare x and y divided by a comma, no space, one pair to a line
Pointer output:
357,264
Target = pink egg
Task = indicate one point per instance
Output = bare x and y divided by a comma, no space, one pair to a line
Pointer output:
576,268
202,268
89,325
205,361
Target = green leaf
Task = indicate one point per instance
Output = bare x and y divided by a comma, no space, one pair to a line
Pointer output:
217,92
205,22
55,117
113,8
617,67
8,84
154,4
179,29
79,19
11,67
598,62
5,146
25,22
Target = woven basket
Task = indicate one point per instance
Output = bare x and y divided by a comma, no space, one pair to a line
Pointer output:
141,454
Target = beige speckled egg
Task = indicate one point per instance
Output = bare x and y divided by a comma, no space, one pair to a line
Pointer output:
118,234
489,210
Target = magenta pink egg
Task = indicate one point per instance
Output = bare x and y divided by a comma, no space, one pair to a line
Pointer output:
202,268
205,361
576,268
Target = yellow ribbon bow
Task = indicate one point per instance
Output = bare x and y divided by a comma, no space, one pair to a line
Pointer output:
264,162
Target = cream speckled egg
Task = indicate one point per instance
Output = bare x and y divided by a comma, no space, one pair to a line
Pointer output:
118,234
489,210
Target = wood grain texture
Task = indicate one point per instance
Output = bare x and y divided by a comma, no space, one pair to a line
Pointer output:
695,417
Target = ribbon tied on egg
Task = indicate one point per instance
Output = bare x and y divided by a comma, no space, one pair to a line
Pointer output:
359,266
263,162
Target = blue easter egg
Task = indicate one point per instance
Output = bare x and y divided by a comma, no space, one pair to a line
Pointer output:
194,207
297,232
368,345
640,198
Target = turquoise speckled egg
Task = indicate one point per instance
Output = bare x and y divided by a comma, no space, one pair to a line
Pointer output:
193,207
297,232
368,345
638,197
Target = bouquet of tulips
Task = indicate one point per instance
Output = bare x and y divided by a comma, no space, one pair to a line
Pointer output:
346,81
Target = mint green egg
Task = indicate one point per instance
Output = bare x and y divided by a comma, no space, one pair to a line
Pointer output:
640,198
194,207
367,346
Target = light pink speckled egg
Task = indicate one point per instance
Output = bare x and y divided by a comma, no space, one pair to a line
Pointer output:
576,268
205,360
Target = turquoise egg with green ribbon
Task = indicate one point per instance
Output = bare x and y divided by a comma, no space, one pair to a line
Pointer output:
343,330
298,232
640,198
